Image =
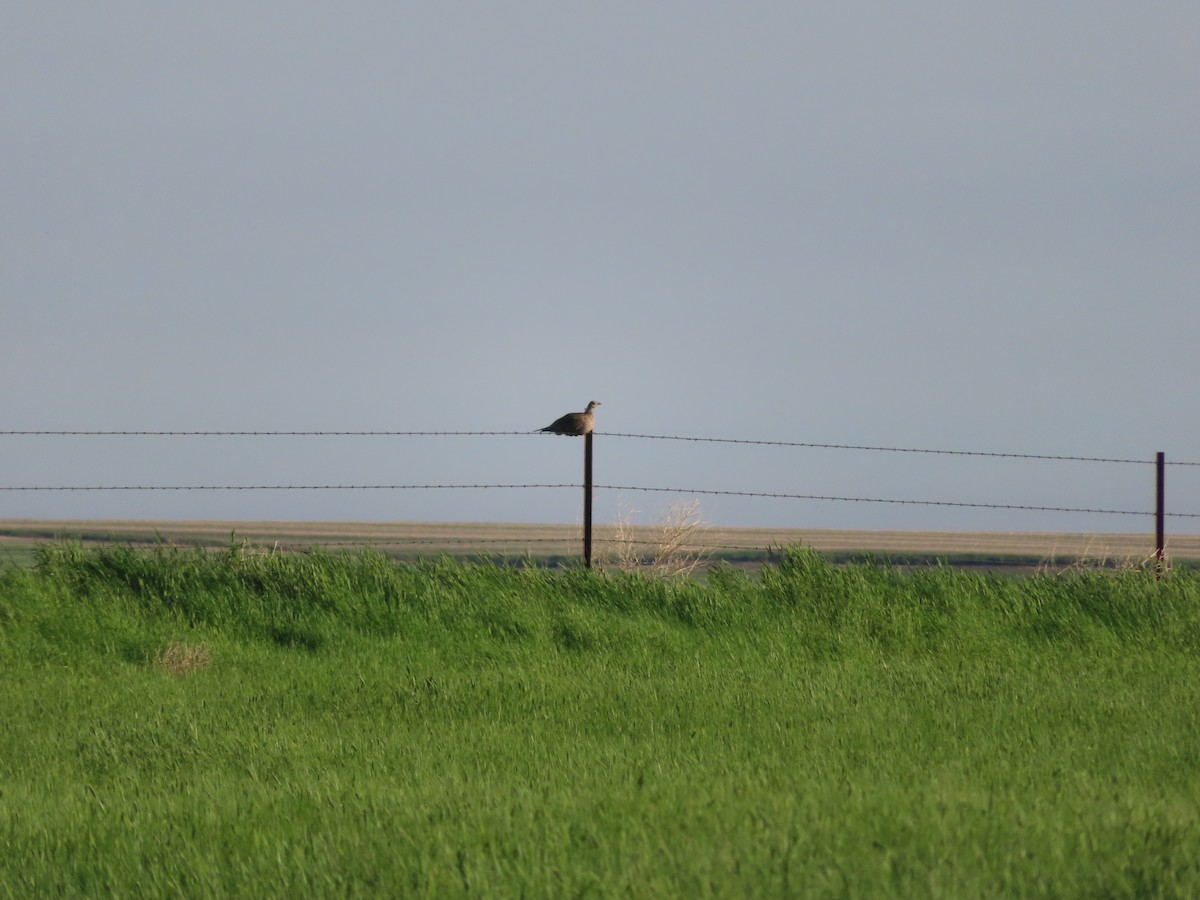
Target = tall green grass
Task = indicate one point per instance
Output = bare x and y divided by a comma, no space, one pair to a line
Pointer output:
176,722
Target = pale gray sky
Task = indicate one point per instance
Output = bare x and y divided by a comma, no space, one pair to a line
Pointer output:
930,224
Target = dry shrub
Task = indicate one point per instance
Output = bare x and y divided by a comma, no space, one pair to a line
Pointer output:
1101,560
179,658
669,548
623,551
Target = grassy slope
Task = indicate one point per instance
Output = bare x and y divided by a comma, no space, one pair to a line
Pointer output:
364,728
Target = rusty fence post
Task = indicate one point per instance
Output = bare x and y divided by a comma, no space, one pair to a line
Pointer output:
1160,543
587,500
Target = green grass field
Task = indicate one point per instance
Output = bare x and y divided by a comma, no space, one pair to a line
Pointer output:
244,724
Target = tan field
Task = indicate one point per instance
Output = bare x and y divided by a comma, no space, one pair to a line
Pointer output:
542,542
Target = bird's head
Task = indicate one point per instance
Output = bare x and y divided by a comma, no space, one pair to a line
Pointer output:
592,405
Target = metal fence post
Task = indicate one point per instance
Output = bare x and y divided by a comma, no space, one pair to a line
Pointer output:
587,500
1160,545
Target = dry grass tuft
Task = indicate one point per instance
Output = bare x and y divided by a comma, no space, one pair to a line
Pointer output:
179,658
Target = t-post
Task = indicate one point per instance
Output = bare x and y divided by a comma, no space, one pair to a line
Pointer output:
1160,543
587,500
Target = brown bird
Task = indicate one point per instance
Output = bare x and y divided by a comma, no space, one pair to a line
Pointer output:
575,423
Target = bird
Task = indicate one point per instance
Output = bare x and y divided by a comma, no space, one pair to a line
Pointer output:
575,423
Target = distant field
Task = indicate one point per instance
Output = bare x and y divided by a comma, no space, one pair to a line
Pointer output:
550,544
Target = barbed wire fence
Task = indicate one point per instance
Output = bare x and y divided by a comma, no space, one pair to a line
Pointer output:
1159,462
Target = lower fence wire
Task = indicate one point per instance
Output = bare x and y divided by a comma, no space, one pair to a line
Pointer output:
609,487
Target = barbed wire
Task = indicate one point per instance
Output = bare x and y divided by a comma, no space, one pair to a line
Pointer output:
609,487
35,433
518,541
568,542
278,487
883,449
616,434
714,549
905,502
506,546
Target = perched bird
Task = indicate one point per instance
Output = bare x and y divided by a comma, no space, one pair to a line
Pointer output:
575,423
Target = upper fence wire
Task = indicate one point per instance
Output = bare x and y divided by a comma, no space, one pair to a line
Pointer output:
809,445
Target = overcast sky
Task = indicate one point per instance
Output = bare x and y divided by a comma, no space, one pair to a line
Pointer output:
931,224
